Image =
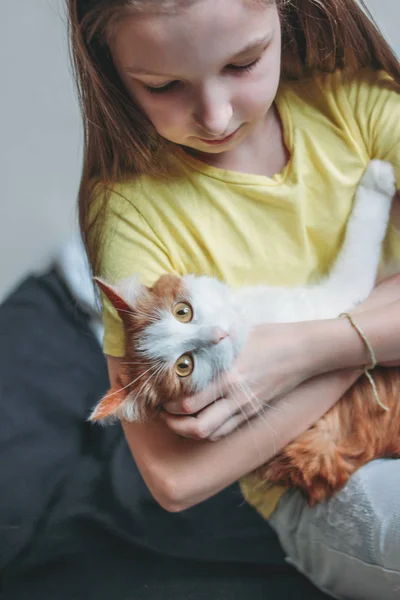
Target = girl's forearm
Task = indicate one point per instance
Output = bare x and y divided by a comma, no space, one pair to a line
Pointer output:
181,472
334,344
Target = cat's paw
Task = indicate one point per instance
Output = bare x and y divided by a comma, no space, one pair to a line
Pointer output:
313,464
380,177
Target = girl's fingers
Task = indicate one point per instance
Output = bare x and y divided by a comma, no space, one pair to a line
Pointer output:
230,426
203,425
246,412
216,420
179,424
196,403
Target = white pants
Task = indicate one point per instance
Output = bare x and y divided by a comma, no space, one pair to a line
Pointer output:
349,547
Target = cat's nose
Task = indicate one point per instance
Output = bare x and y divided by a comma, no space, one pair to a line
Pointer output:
218,335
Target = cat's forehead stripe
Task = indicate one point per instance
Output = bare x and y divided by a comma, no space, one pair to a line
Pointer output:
168,290
167,285
154,303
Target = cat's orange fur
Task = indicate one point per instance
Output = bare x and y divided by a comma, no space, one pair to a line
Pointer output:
355,431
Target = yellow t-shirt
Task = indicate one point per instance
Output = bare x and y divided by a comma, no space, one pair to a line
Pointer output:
249,229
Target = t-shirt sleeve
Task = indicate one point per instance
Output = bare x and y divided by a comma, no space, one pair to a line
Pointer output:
375,102
129,246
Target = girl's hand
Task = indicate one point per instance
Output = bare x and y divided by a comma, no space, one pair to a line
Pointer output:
274,360
278,357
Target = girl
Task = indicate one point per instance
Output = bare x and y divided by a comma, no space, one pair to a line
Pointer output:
228,137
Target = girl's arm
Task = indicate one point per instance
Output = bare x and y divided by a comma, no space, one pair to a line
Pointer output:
181,472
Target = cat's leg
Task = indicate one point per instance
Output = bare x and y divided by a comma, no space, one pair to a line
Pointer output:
315,463
353,432
348,546
353,275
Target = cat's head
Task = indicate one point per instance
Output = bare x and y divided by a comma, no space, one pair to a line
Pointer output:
181,334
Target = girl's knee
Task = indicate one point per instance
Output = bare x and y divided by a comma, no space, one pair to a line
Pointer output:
350,545
363,520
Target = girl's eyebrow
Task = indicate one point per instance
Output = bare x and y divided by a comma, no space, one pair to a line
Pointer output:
253,46
246,50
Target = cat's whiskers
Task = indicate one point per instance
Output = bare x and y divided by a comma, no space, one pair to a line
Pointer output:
130,383
232,390
234,393
246,419
138,363
251,396
148,316
218,381
158,369
270,406
128,312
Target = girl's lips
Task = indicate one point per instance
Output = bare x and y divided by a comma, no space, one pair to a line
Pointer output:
222,141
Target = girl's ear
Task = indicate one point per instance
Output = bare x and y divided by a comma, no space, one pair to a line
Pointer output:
114,297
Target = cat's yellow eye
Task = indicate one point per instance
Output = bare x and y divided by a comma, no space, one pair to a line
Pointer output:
184,365
183,312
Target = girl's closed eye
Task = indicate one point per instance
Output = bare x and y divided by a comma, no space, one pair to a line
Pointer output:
163,88
245,68
172,85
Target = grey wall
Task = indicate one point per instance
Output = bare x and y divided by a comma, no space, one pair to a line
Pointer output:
40,136
387,15
41,133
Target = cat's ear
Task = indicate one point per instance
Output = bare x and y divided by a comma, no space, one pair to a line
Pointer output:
116,404
114,297
106,410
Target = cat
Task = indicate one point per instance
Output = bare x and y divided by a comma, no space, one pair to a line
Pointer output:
182,333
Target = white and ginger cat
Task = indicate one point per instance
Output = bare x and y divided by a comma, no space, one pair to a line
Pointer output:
184,332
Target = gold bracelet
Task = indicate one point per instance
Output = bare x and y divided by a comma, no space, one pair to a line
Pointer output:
373,364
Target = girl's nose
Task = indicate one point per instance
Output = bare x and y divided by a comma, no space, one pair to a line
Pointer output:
213,113
216,125
218,335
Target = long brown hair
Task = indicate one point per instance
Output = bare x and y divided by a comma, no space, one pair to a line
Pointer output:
119,142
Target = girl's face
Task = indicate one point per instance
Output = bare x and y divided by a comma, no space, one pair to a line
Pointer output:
205,76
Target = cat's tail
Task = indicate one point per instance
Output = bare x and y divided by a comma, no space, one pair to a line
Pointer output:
354,273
